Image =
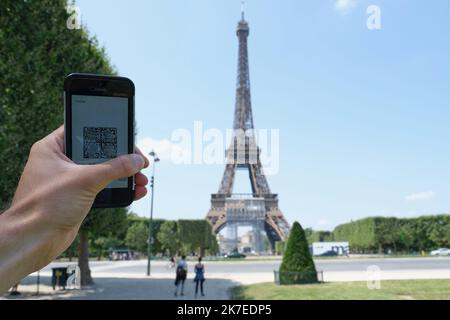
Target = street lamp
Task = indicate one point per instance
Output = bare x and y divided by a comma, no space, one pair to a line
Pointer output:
152,185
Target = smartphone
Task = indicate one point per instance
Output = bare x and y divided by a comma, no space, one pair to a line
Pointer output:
99,126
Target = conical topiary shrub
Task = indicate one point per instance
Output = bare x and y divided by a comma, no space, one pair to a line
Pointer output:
297,265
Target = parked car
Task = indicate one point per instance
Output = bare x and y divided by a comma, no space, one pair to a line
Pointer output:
329,253
235,255
440,252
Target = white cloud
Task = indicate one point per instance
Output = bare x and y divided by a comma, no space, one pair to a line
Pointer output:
426,195
165,149
343,6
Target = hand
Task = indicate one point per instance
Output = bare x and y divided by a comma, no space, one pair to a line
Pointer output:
67,188
52,199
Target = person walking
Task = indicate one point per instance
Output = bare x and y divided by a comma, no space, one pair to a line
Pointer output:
171,263
181,274
199,276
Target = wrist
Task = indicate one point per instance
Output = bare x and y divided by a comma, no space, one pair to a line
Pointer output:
27,244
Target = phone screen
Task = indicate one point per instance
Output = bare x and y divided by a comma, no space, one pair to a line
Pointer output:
99,130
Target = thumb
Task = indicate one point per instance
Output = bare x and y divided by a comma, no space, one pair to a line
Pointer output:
121,167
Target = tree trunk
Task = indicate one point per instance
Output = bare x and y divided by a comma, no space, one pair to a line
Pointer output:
83,259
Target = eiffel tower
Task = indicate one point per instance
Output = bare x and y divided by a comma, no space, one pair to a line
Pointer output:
259,209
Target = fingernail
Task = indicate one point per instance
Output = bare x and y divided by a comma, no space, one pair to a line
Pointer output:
138,161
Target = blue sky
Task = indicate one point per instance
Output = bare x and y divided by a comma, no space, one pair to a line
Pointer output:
363,114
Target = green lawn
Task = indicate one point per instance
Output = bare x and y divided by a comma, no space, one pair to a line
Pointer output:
390,290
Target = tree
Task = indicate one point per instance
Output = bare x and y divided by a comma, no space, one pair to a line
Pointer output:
137,237
360,234
103,244
383,233
439,232
406,236
98,223
37,51
386,229
133,218
156,226
168,236
196,236
297,265
318,236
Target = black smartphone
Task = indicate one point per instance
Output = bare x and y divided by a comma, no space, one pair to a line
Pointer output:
99,126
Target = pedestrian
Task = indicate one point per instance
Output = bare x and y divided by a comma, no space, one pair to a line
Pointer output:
181,274
171,263
199,276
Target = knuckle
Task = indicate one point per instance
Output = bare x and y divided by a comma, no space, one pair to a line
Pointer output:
36,147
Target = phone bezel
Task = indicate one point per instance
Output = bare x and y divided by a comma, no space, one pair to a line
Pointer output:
101,85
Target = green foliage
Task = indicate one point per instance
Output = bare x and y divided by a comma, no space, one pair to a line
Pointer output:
280,247
168,237
113,228
156,226
297,265
355,290
440,232
196,235
103,244
106,223
137,237
37,51
385,232
186,237
382,234
406,236
133,219
319,236
360,234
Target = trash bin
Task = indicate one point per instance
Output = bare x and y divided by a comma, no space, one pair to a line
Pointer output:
59,277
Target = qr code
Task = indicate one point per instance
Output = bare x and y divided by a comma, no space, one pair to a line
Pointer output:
99,143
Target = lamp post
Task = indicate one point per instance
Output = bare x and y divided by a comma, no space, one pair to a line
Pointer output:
152,185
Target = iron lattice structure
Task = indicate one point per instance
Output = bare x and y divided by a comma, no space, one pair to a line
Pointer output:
243,153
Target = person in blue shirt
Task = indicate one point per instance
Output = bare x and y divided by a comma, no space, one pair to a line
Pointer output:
199,276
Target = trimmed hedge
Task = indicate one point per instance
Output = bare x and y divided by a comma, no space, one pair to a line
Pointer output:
297,265
383,234
196,235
